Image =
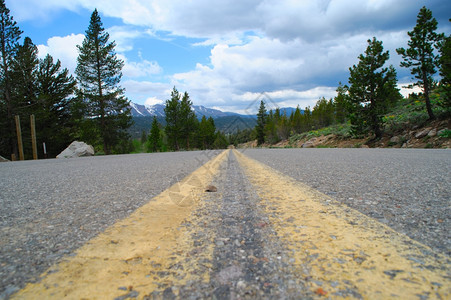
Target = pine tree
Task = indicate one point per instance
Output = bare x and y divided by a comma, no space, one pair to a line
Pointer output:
341,104
9,37
307,119
445,71
297,120
372,88
173,121
206,132
261,122
24,67
54,118
154,141
143,137
420,56
188,120
99,72
271,128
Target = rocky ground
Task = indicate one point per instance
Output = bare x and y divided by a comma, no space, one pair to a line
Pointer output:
417,137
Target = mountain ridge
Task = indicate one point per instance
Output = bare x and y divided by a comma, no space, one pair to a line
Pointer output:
139,110
157,110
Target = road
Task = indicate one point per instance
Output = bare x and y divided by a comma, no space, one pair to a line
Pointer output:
262,234
407,189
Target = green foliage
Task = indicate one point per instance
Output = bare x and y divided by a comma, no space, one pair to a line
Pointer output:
323,113
341,104
410,112
420,56
242,136
261,123
137,146
206,133
341,130
154,142
446,133
173,120
188,121
372,89
221,141
9,38
445,72
99,72
55,119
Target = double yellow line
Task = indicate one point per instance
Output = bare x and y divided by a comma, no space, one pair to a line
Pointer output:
338,251
125,258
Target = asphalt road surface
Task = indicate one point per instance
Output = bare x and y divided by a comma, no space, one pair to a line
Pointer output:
407,189
49,208
264,233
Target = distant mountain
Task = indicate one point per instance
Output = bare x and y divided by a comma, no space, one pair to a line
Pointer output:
157,110
139,110
226,122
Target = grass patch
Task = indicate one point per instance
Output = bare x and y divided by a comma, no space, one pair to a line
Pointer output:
445,134
342,130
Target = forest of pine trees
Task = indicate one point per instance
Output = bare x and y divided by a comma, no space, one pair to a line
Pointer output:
90,107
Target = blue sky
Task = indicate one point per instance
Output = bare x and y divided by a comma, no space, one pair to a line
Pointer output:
227,53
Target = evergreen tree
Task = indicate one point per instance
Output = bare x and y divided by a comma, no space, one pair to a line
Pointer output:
341,104
323,113
99,72
420,56
23,88
261,122
284,127
371,89
54,118
143,137
445,71
206,132
9,37
24,68
297,120
221,141
173,121
271,129
154,141
307,120
188,120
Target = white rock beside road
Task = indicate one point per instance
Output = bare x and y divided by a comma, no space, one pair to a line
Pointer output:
77,149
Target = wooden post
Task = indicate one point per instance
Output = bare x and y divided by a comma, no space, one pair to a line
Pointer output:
19,137
33,137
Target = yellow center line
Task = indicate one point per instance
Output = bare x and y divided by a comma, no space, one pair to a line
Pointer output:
341,252
130,255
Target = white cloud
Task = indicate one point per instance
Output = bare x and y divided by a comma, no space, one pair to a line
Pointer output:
124,36
289,71
283,19
295,51
405,91
141,91
141,69
153,101
39,9
63,48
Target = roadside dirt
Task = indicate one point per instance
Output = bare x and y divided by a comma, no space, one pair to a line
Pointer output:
429,136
